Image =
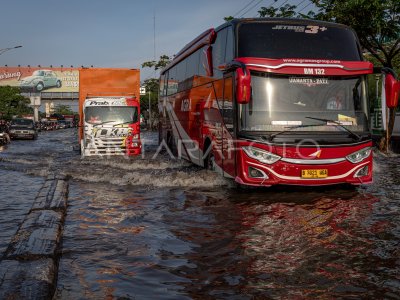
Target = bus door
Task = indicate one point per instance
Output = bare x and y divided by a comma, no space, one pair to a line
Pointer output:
228,143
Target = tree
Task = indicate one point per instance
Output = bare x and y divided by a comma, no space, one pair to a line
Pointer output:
156,65
287,11
152,86
229,18
12,103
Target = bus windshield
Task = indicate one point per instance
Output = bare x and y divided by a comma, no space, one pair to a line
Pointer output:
281,102
111,114
273,40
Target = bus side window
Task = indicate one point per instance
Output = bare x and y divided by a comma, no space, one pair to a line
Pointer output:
162,85
172,87
230,46
218,53
192,66
203,61
227,106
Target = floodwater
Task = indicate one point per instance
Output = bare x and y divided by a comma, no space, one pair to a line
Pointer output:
157,228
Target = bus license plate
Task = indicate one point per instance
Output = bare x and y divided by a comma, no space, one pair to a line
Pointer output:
318,173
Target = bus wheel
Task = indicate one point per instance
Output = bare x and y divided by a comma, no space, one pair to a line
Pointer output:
171,144
209,162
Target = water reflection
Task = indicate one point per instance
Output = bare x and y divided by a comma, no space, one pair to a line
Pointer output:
305,248
220,244
159,229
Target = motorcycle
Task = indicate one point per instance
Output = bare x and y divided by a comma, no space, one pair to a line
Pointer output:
4,138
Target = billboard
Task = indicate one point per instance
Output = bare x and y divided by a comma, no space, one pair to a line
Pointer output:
41,79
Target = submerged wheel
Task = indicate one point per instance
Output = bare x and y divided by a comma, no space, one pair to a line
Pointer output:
171,144
82,150
209,161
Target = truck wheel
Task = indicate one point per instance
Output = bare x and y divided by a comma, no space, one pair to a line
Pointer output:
82,150
59,83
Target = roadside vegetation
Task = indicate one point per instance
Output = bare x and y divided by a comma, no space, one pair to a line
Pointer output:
12,103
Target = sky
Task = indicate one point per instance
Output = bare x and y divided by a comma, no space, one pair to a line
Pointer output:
111,33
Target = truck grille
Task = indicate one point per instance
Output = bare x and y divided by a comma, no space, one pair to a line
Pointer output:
107,146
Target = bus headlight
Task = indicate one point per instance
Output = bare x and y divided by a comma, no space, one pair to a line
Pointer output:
359,156
261,155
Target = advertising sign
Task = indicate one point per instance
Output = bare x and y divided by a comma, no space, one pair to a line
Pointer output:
41,79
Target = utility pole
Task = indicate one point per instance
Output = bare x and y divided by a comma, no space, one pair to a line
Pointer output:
154,33
149,110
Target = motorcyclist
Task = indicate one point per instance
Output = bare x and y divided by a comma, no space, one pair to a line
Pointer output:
4,133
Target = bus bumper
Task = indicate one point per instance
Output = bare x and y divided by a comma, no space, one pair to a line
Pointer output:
254,173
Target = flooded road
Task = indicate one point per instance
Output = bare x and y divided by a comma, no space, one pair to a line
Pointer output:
156,228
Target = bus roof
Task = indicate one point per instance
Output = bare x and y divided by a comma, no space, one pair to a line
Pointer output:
208,36
280,20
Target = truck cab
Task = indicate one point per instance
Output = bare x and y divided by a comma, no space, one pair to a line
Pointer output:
111,126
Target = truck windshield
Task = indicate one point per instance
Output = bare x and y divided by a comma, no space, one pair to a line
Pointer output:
111,114
280,40
281,102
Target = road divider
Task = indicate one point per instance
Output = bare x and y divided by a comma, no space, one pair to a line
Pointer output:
29,268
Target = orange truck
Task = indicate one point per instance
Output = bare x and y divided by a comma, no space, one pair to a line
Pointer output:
109,111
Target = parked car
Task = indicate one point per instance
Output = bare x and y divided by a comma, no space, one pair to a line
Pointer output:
40,80
23,129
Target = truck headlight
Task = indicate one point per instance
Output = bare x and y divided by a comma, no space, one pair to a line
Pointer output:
359,156
261,155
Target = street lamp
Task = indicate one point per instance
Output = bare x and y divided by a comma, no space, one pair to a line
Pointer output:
6,49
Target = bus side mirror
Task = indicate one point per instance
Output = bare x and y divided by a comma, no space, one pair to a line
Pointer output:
392,89
243,85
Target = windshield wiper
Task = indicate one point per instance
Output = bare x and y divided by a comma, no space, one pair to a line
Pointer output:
127,122
102,123
272,136
352,133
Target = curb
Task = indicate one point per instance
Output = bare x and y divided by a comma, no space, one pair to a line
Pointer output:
29,267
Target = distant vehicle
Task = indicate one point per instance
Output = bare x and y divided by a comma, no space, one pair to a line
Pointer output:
109,110
69,123
40,80
51,125
62,124
4,136
23,129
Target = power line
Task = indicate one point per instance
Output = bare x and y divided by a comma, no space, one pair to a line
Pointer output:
283,4
304,7
251,8
272,4
301,3
247,5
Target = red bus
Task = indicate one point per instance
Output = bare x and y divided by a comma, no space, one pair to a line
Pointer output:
271,101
